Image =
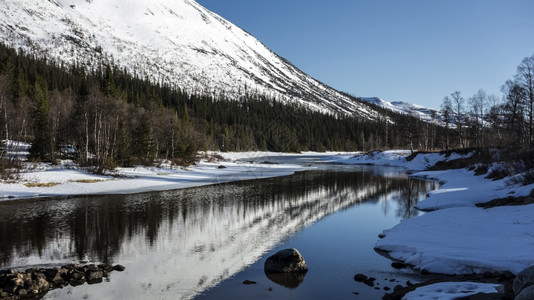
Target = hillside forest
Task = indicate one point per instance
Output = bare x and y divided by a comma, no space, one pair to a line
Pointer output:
104,117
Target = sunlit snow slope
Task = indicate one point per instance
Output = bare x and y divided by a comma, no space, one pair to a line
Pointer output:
424,113
177,42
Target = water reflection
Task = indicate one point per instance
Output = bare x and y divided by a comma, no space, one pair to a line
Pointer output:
288,280
175,244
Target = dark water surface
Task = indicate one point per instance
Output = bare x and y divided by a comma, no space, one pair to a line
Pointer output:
203,242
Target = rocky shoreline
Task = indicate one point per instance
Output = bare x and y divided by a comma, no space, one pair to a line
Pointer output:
512,287
505,279
34,283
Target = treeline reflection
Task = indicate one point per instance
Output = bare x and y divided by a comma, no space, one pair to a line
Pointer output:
229,218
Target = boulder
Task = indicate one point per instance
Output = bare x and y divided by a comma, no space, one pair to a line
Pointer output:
106,267
399,265
360,277
370,281
119,268
76,278
94,276
524,279
526,294
286,261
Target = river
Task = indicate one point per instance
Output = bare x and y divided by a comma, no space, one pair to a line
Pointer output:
204,242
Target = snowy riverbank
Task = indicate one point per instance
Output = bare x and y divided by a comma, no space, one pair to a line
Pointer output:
457,237
67,179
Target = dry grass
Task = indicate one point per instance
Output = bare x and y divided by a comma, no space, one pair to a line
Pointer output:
40,184
86,180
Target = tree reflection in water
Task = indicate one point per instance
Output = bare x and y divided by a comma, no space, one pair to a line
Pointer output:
227,226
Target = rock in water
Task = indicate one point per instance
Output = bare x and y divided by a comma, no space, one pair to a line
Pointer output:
286,261
524,279
360,277
526,294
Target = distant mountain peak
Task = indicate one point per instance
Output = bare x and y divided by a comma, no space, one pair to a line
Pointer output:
424,113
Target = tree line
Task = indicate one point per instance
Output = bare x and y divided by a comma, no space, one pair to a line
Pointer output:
483,121
106,117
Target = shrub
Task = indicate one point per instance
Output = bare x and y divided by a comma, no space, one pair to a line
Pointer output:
9,169
499,172
481,169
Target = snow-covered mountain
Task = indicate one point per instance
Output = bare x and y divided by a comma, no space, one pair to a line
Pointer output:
177,42
424,113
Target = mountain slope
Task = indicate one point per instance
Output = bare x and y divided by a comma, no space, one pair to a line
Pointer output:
423,113
175,42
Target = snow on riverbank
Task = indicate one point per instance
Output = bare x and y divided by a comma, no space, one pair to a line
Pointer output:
459,238
66,179
465,240
450,290
456,237
395,158
463,188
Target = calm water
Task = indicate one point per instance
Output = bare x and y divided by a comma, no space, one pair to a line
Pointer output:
203,242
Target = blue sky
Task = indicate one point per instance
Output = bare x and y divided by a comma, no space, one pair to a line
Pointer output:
415,51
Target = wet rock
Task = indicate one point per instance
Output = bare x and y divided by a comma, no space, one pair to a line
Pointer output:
507,275
59,278
76,278
119,268
523,279
286,261
370,281
399,265
69,267
94,276
106,267
526,294
36,282
360,277
249,282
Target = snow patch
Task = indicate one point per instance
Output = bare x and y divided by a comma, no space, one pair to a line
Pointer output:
450,290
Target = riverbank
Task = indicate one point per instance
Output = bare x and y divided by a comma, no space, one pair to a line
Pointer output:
456,236
68,179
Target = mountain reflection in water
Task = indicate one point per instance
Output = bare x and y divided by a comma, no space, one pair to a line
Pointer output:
176,244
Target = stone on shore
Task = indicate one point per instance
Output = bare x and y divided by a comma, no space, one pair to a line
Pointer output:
35,283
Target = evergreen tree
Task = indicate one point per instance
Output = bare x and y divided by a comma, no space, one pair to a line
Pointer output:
143,147
124,153
42,147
